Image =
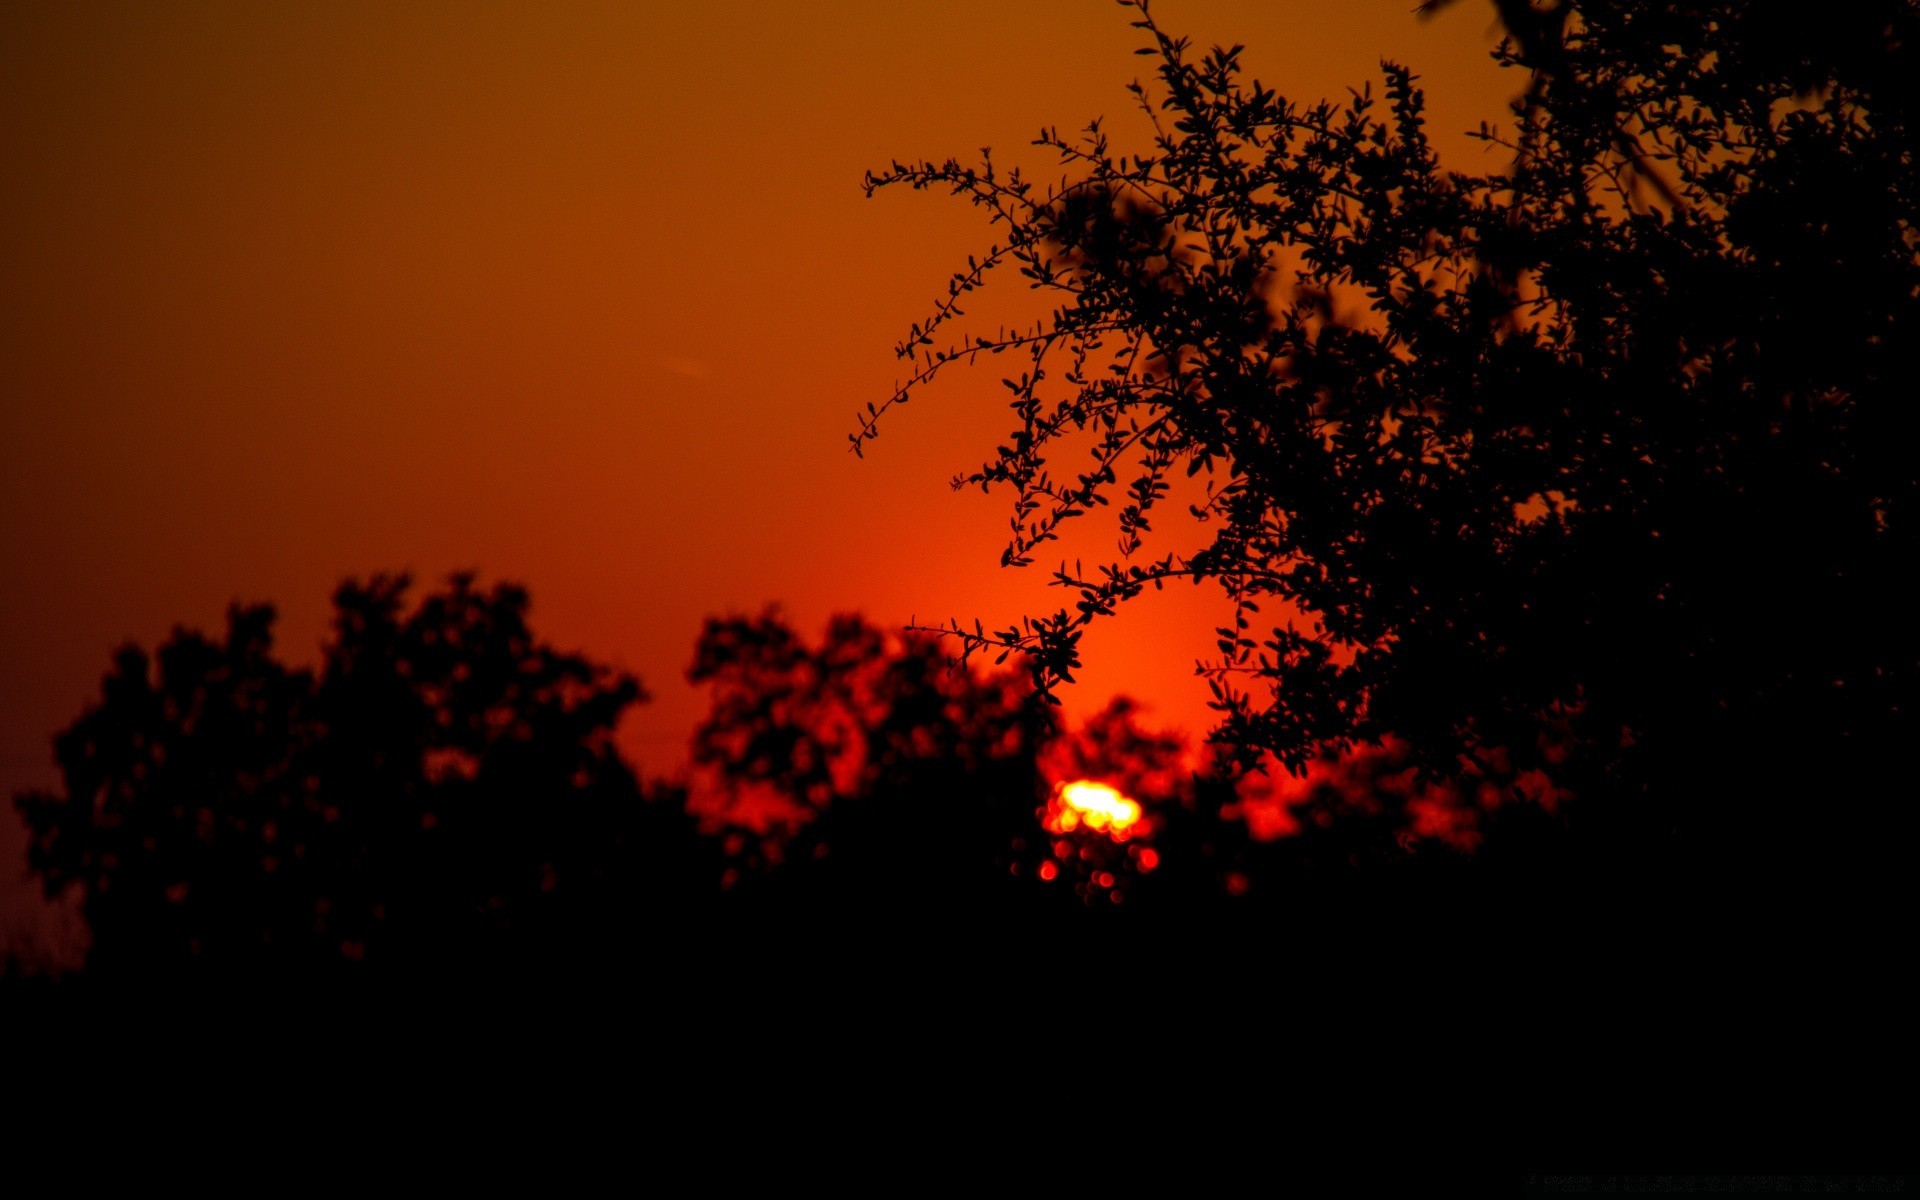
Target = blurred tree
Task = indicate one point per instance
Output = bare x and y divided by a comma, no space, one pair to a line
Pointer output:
880,783
444,791
1601,466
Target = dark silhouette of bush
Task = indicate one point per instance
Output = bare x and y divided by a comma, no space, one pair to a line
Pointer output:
1599,466
443,793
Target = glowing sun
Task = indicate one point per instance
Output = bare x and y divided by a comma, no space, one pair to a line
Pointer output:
1095,805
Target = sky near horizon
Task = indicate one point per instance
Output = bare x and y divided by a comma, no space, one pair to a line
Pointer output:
579,295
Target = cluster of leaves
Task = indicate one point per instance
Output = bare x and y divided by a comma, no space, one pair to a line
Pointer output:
1615,443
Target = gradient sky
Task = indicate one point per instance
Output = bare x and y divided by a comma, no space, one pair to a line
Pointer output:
580,295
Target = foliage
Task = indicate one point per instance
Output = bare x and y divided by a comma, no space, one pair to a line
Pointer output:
443,789
859,773
872,775
1606,457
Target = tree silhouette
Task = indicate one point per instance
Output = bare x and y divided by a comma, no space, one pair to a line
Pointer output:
861,781
443,792
878,803
442,795
1598,467
863,778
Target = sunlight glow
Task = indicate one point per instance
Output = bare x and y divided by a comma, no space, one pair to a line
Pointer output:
1095,805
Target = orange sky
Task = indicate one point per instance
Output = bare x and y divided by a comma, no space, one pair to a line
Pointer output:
582,295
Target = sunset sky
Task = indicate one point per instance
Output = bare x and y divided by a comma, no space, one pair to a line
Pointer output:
579,295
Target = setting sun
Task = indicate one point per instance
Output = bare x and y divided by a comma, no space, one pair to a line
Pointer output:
1095,805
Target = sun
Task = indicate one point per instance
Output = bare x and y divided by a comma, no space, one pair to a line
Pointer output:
1097,806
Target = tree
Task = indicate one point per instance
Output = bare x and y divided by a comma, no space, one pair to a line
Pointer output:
863,786
444,791
861,779
1599,466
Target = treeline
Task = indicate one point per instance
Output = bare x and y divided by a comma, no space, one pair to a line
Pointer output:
444,792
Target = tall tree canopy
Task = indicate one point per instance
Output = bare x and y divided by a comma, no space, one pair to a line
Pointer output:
1602,463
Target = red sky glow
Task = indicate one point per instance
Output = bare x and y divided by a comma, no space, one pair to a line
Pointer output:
581,295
